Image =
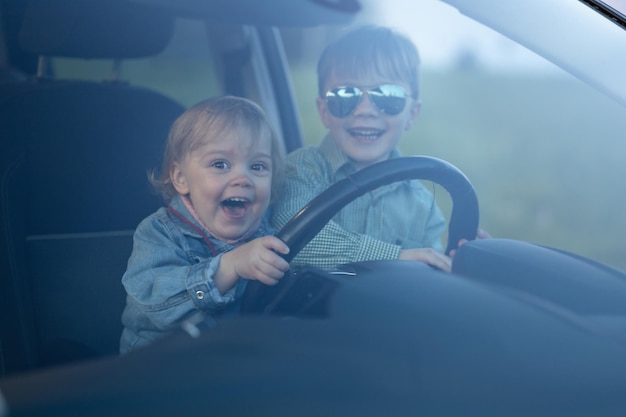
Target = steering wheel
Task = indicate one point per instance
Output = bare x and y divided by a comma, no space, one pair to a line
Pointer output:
307,223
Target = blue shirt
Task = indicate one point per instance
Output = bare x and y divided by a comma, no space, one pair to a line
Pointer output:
377,225
169,276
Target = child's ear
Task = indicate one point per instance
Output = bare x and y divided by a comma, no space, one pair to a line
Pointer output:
179,181
414,111
322,109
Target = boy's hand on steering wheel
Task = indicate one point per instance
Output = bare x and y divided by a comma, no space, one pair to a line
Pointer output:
481,234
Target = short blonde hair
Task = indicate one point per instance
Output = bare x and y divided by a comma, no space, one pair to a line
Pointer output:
371,50
209,118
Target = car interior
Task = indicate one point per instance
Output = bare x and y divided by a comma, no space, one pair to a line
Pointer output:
75,158
75,155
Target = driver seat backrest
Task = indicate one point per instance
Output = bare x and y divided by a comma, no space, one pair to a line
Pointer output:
74,157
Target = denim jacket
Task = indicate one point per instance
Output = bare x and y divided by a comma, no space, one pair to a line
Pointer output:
170,276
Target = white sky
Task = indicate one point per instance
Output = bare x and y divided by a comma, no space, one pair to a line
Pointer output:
441,34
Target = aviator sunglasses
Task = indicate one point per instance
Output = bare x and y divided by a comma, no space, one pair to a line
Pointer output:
389,99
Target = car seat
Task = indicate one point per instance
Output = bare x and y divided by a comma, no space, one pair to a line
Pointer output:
74,157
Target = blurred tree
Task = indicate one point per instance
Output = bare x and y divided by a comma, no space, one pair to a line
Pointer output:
304,46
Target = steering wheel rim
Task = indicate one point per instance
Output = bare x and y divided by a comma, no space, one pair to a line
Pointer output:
463,224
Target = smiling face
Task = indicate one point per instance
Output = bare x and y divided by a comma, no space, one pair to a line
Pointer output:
228,180
367,135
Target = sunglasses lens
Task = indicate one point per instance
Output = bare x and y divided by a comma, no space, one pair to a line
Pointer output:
341,101
390,99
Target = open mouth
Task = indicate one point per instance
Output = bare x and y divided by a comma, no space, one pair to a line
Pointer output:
367,135
236,206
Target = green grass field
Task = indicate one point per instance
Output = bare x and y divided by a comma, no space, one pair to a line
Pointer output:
545,155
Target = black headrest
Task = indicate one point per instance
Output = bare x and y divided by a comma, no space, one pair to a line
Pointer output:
89,29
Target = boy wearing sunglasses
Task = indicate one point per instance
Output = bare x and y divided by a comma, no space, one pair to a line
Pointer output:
368,98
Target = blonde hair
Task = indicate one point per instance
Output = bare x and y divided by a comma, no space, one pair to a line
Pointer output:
209,118
371,50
